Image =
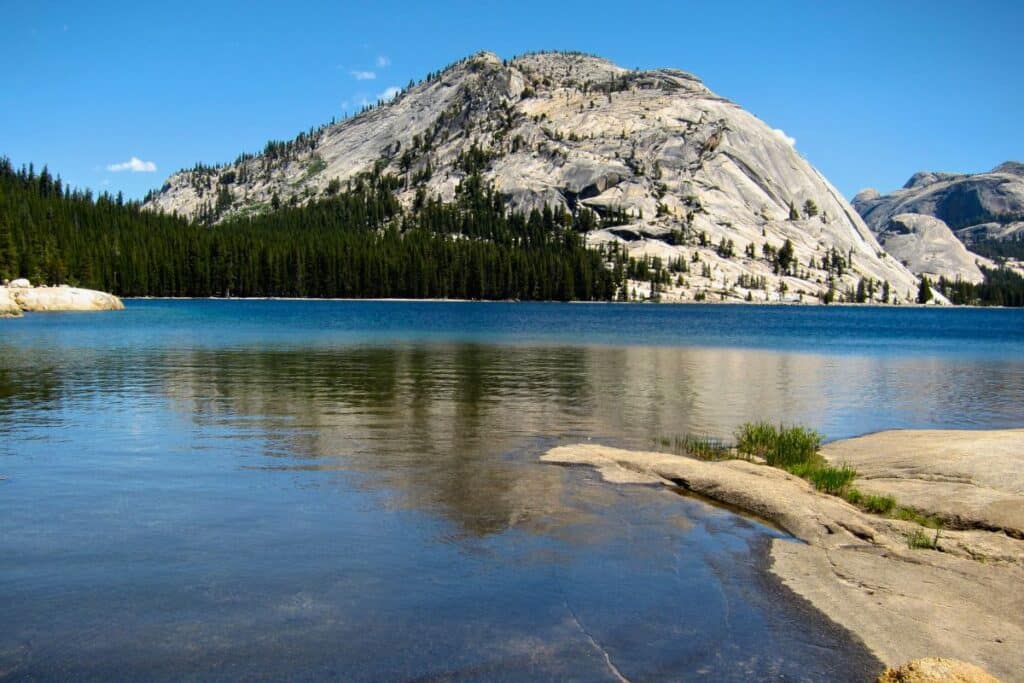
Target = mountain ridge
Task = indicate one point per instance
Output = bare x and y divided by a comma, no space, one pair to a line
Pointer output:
668,169
935,221
976,206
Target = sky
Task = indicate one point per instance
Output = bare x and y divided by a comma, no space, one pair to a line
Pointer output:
116,96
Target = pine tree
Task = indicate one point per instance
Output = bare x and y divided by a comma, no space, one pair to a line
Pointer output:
794,215
924,291
785,257
8,251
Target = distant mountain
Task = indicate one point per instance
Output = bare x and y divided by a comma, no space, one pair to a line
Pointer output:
651,164
952,210
928,247
976,207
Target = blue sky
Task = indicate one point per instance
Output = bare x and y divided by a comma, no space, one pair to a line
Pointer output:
871,91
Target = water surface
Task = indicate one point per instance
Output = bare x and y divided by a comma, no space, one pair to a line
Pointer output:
259,489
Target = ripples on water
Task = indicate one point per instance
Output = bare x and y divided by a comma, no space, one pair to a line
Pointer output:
304,489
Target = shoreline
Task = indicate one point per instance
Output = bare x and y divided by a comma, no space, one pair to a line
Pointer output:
763,304
21,297
960,600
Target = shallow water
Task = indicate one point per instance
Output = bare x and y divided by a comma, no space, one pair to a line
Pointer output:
303,489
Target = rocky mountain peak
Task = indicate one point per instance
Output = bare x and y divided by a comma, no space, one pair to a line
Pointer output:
931,222
975,206
928,247
667,168
1010,167
925,178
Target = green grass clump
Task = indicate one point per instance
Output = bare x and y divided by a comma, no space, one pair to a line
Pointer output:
706,448
780,446
888,507
879,505
909,514
756,438
795,449
832,480
700,447
919,540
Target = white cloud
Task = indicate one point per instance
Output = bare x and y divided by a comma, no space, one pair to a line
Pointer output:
389,93
791,141
357,101
383,62
135,165
363,75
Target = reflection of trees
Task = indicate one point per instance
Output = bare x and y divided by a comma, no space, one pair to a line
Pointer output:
436,423
37,387
433,423
455,428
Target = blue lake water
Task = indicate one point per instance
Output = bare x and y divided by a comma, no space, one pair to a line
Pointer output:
310,489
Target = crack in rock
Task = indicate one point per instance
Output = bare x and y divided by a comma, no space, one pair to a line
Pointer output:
596,645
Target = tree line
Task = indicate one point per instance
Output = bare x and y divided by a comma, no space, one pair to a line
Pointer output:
1001,287
358,243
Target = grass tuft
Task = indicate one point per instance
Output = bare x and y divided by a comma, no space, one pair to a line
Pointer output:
909,514
706,448
700,447
832,480
780,446
879,505
795,449
919,540
756,438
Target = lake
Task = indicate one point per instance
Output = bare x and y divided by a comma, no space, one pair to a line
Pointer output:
312,489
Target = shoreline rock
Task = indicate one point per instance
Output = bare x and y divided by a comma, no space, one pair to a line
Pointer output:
858,568
968,479
936,670
9,307
19,296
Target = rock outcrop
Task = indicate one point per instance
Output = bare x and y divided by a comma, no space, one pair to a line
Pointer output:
670,169
936,670
858,568
969,479
19,296
976,207
928,247
9,307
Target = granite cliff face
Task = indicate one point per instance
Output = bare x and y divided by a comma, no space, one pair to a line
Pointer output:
976,207
928,247
928,223
671,170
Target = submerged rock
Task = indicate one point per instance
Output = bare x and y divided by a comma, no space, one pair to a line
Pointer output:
858,568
